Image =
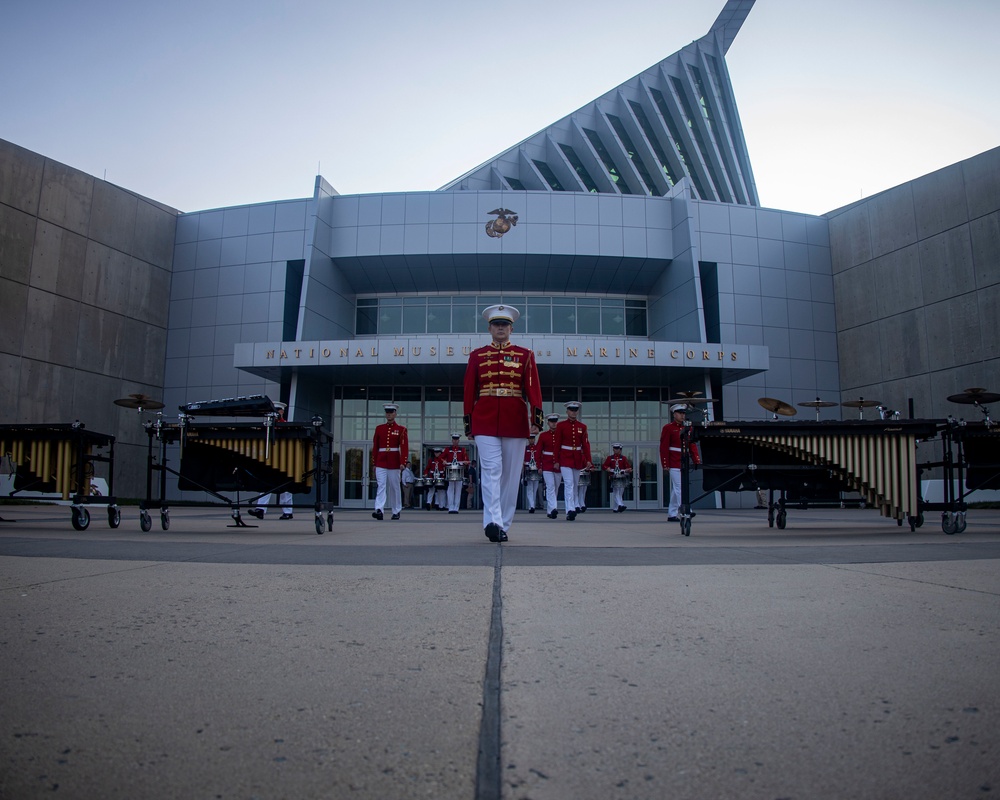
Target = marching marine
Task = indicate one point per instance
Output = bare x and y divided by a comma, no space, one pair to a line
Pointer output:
619,470
390,452
503,404
572,454
455,456
545,451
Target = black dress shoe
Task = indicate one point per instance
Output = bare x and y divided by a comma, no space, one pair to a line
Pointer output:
673,519
531,511
395,516
570,515
552,515
492,532
256,512
377,515
502,537
285,516
622,508
582,509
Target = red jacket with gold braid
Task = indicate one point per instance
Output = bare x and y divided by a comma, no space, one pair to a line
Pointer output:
498,381
670,447
545,451
612,462
390,448
572,445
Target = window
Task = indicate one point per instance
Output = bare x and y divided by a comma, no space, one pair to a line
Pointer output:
626,141
647,128
609,165
549,175
441,314
581,170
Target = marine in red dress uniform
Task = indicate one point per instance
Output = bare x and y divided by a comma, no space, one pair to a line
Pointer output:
572,454
452,455
616,461
670,456
390,451
503,404
545,451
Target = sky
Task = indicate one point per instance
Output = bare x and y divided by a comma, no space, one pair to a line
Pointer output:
202,104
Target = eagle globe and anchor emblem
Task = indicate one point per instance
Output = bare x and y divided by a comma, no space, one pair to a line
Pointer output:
505,220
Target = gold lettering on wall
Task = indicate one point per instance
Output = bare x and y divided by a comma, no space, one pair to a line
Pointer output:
270,354
571,351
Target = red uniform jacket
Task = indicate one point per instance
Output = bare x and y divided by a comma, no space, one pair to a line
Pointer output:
613,461
390,448
434,464
572,445
498,381
670,447
455,453
529,454
545,450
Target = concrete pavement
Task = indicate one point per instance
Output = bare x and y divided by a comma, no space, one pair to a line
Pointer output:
841,657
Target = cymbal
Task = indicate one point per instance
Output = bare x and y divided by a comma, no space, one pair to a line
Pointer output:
817,403
695,394
139,401
971,398
861,403
777,406
693,400
974,390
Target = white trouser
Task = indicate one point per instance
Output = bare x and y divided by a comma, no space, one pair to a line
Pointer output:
441,498
500,461
571,491
285,498
454,495
388,488
617,494
531,493
675,492
553,480
581,494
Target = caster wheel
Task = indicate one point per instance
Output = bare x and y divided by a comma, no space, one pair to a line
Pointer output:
960,522
114,517
782,519
145,521
329,521
948,522
165,519
80,519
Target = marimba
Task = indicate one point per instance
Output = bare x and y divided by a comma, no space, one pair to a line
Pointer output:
58,459
815,462
248,458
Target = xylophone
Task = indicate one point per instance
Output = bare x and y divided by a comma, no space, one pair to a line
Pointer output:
815,462
240,457
58,459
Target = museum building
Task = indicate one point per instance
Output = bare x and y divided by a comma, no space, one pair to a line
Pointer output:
628,234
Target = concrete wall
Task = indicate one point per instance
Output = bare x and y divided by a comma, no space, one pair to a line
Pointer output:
917,289
85,270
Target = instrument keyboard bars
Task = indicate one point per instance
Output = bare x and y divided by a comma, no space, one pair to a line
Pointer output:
877,459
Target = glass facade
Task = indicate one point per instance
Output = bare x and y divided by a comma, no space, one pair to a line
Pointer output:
603,316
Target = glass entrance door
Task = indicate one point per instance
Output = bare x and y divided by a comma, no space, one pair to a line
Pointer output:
646,476
358,489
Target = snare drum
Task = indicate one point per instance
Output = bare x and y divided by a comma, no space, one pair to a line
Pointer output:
440,482
584,479
455,472
532,475
419,483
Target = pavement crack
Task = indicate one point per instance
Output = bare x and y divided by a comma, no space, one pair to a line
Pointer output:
488,786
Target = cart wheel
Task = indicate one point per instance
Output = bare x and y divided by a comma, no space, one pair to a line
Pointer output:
899,524
960,522
114,516
948,524
920,519
329,521
686,526
145,522
782,518
80,519
770,517
165,519
319,524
